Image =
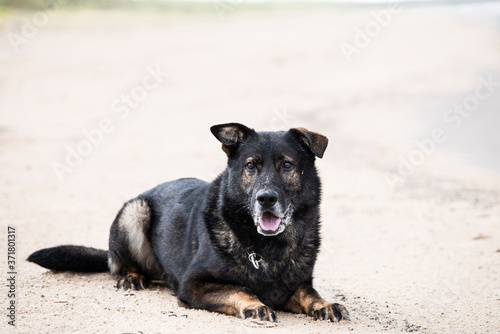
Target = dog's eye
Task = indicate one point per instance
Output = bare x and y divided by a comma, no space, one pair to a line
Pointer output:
288,166
250,166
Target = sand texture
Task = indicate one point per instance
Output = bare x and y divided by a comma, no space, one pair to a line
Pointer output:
421,254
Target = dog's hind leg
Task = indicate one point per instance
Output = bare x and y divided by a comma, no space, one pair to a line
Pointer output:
132,280
130,252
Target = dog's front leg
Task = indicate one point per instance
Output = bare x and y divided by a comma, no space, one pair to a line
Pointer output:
224,298
307,300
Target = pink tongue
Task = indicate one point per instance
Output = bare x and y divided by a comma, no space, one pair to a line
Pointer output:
269,222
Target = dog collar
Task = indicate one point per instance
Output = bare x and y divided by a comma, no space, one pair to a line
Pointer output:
255,258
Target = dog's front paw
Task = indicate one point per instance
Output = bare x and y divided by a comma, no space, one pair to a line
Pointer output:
333,312
260,312
132,281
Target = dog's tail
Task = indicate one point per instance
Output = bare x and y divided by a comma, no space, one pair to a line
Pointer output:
71,258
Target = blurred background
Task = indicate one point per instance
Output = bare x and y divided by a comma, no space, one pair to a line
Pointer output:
102,100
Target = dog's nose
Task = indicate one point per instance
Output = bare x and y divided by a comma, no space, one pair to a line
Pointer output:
267,198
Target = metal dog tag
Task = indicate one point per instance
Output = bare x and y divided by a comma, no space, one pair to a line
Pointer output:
255,262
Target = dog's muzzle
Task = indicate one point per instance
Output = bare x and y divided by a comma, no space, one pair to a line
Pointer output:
270,218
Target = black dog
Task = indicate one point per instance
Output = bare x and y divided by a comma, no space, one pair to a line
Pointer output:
242,245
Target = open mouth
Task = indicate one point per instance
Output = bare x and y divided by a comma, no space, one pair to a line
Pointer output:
270,224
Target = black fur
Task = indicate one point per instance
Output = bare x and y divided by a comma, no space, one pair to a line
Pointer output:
201,235
71,258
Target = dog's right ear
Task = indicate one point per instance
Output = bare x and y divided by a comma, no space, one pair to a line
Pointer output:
231,135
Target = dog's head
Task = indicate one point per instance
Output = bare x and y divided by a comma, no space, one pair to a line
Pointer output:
271,175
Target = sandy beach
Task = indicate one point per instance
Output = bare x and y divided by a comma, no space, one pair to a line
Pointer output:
98,106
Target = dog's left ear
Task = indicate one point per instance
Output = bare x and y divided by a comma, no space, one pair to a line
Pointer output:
231,135
314,141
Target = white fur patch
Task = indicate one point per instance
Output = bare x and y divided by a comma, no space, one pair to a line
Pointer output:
114,265
135,221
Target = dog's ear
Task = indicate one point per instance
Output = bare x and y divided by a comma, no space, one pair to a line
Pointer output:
231,135
314,141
